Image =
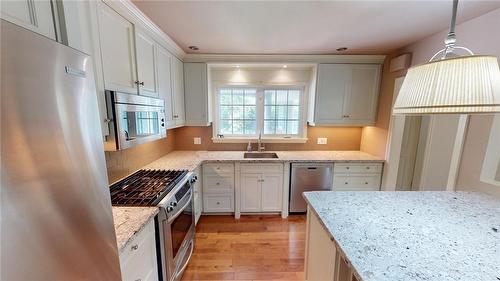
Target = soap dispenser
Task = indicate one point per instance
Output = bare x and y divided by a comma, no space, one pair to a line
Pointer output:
249,147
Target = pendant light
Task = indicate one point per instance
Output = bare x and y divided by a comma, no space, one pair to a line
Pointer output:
450,83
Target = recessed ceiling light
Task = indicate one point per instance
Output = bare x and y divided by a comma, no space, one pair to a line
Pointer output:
194,48
341,49
237,66
285,66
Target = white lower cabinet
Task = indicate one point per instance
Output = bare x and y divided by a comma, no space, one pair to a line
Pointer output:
357,176
218,187
261,188
251,192
138,261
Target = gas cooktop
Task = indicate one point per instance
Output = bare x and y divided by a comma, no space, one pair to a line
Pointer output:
145,187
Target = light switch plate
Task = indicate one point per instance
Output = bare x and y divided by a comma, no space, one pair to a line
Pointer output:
197,140
322,140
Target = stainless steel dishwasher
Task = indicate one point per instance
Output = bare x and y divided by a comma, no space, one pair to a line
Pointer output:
308,177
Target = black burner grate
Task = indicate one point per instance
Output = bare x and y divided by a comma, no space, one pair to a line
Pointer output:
144,187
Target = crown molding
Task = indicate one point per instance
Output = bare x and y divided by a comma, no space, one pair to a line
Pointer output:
219,58
130,11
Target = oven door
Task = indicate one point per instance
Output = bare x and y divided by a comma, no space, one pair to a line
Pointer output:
137,124
178,238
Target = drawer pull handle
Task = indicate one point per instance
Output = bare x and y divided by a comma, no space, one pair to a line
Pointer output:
134,247
346,183
218,183
368,168
218,203
347,168
366,182
139,279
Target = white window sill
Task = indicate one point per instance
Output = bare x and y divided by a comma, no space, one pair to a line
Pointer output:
264,140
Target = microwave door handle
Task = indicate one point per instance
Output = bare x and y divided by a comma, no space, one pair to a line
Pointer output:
182,209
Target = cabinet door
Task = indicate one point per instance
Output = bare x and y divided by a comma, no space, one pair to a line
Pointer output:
364,89
164,63
320,251
116,35
196,94
146,69
36,16
251,192
178,89
272,187
332,86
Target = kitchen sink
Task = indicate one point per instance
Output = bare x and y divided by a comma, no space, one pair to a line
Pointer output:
260,155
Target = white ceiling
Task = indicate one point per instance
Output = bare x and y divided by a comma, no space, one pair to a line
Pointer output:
306,27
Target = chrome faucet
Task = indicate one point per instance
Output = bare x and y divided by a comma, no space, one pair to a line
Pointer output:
260,147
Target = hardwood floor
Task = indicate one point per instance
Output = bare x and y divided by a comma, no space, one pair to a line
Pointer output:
253,248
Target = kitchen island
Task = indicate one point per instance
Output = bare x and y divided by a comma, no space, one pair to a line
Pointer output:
387,236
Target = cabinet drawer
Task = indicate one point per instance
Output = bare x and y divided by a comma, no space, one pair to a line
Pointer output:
218,184
218,168
138,260
217,203
262,168
358,168
354,183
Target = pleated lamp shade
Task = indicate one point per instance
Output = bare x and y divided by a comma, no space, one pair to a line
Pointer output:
463,85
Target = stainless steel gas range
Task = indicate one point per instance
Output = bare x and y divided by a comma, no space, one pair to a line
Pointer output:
172,192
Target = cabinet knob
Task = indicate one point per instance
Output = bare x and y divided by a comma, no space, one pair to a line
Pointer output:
347,168
346,183
218,203
366,182
134,247
218,183
368,168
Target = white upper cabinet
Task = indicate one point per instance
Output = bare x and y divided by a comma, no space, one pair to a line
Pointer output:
117,46
347,94
146,68
36,16
178,92
196,94
164,62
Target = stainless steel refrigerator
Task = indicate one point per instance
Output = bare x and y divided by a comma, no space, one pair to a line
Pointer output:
56,216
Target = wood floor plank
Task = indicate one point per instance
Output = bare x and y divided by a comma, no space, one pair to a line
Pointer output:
252,248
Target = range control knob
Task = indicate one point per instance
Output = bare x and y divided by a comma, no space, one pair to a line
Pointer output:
173,203
193,179
170,209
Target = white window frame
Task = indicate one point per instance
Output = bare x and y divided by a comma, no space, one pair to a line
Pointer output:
301,137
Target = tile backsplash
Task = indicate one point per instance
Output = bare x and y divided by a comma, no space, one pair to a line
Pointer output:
123,162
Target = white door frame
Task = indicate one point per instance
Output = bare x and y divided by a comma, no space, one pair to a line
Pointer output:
395,139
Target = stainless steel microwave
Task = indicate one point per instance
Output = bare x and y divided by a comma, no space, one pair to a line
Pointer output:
133,120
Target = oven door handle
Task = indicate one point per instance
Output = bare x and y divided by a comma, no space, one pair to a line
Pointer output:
173,217
179,272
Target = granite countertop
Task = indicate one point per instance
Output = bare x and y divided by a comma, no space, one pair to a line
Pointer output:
432,236
129,221
189,160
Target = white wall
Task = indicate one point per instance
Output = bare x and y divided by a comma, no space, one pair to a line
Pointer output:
481,35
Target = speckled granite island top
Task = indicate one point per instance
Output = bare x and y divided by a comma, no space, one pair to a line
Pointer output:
191,159
436,236
129,221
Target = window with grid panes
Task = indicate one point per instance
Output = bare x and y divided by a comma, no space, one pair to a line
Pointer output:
281,112
237,112
246,112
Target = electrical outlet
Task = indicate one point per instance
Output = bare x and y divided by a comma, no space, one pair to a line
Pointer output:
322,140
197,140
